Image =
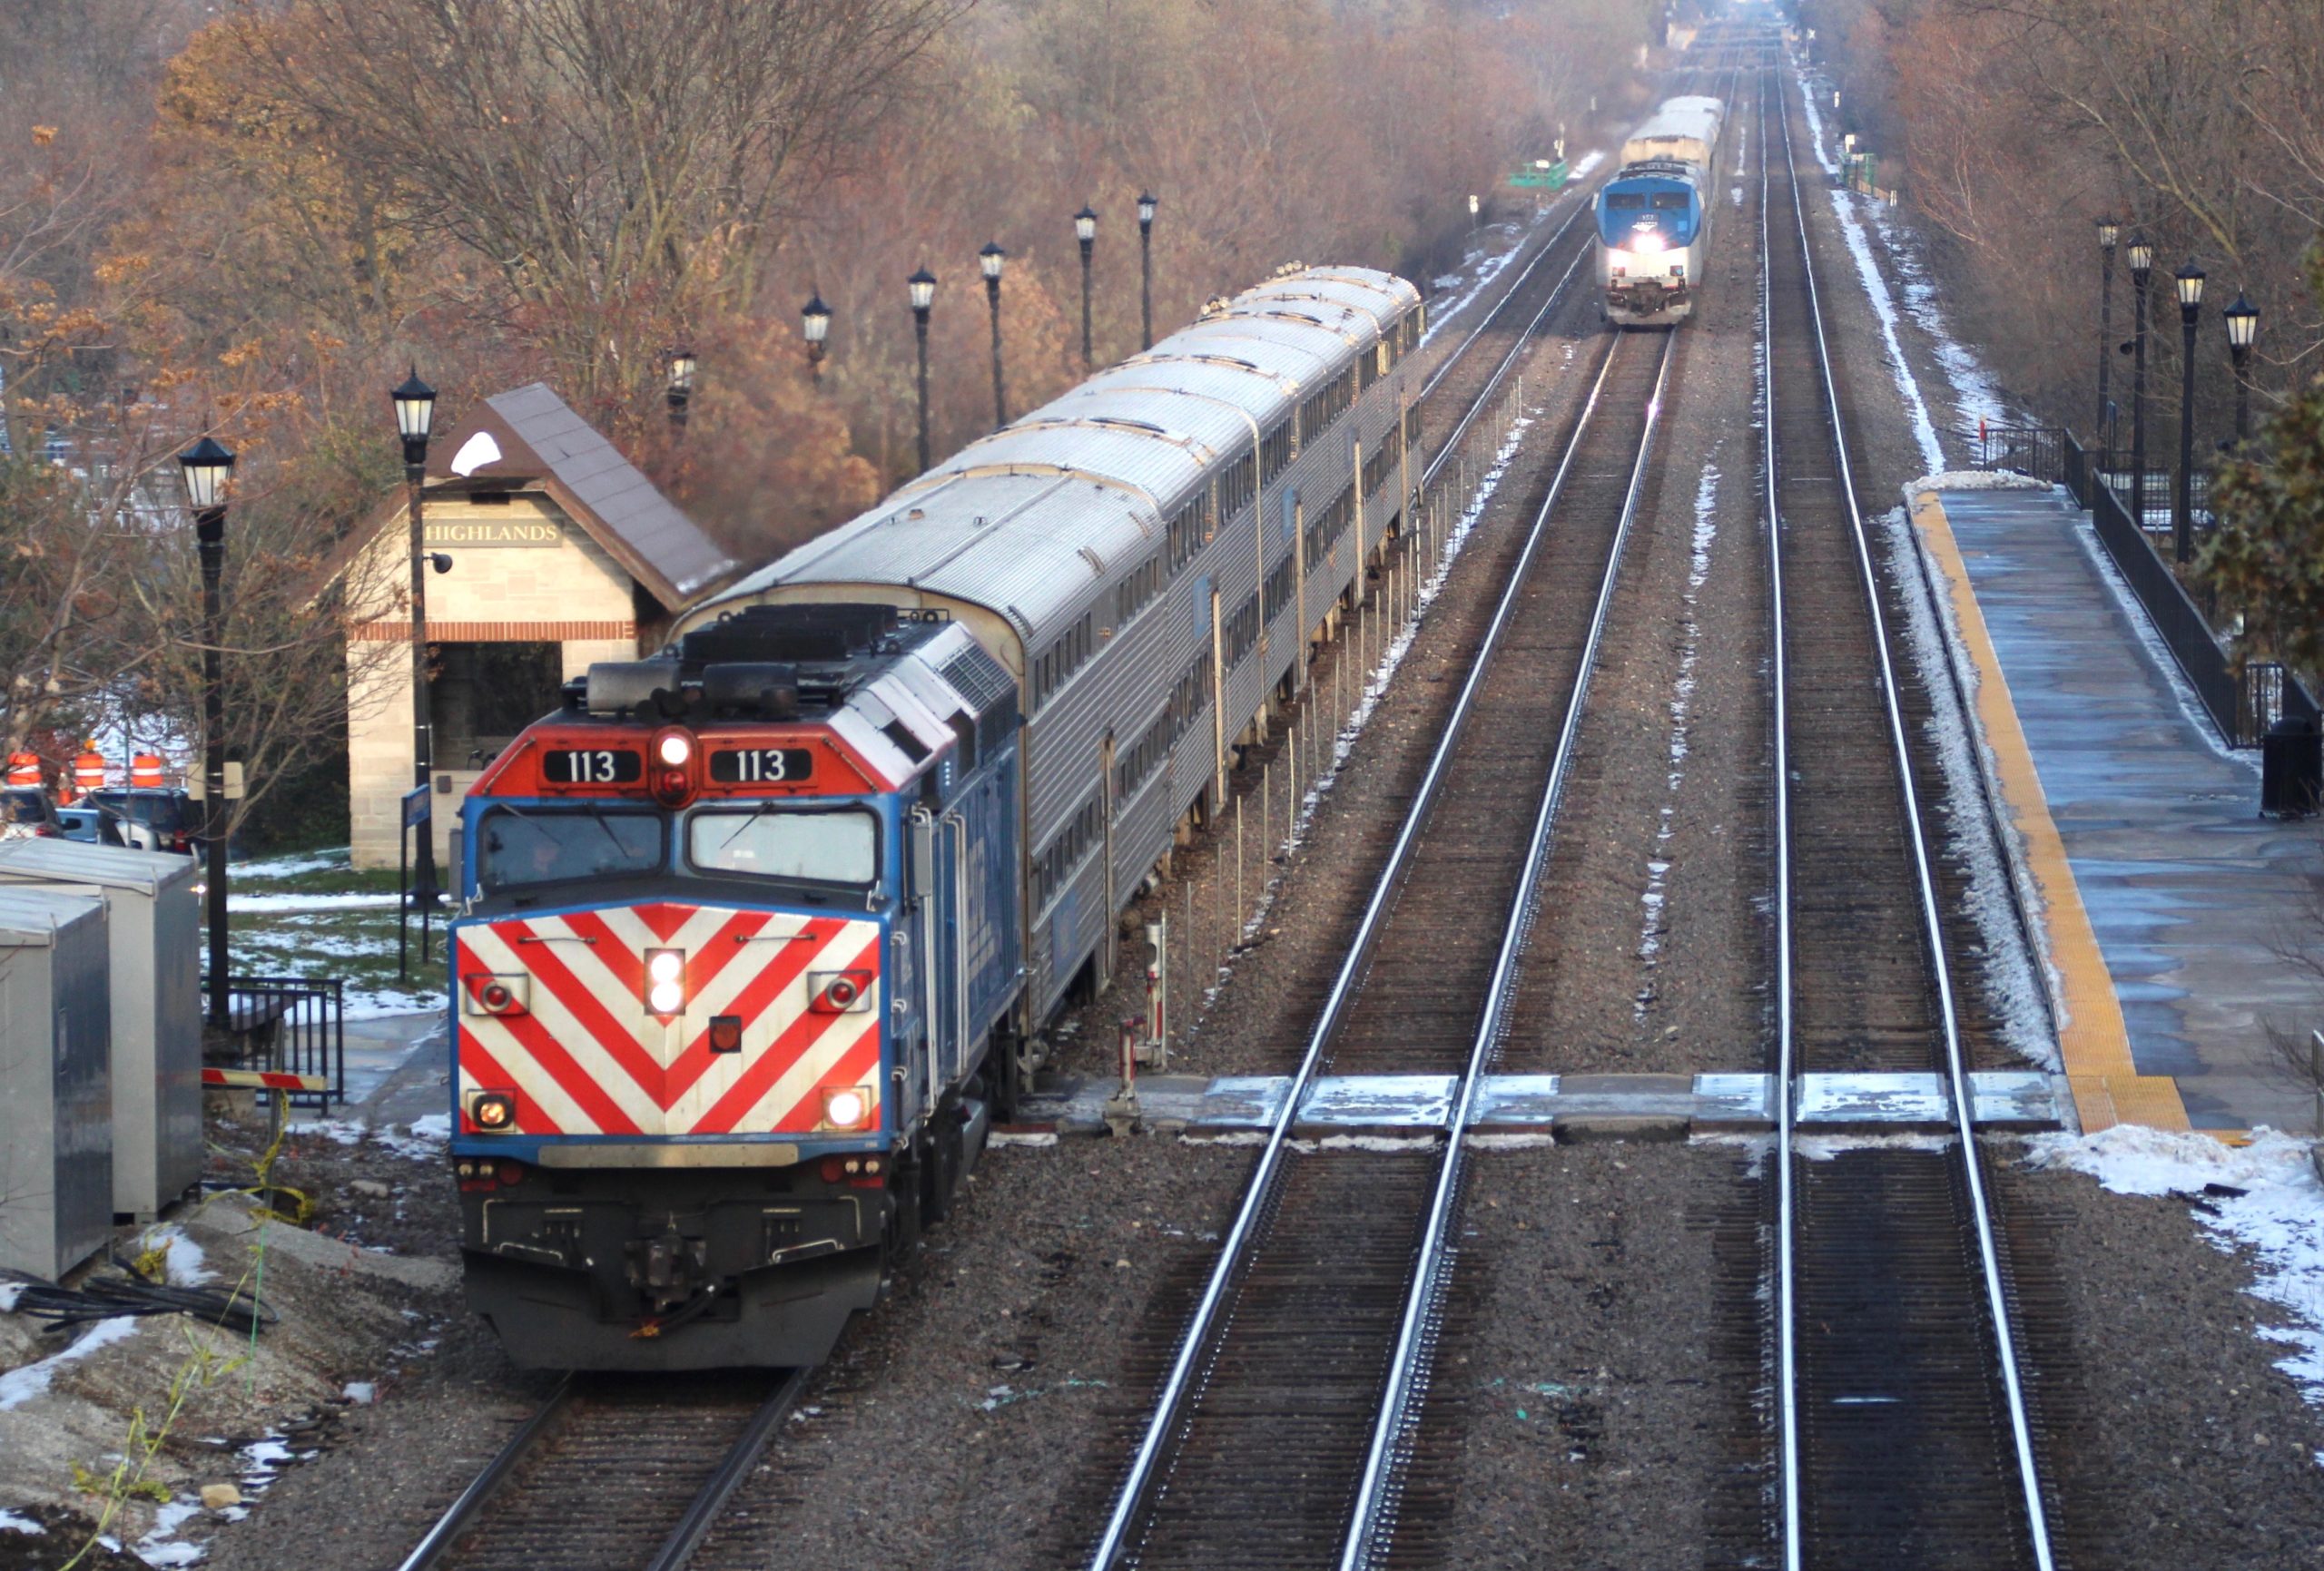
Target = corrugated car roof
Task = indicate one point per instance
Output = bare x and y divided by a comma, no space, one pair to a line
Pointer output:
1027,520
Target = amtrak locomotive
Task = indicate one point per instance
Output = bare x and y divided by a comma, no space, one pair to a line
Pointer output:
1652,215
759,935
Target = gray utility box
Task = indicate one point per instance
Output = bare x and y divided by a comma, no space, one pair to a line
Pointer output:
155,921
55,1094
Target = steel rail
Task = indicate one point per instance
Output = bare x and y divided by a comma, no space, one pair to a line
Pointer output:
1779,674
464,1510
702,1511
1372,1519
1446,452
693,1526
1245,1229
1956,1074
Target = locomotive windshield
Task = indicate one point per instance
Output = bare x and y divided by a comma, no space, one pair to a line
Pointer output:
550,845
773,841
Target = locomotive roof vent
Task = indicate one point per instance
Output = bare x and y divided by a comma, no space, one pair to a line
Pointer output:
621,686
752,690
790,634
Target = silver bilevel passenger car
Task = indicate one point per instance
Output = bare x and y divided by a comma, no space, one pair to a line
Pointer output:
1148,556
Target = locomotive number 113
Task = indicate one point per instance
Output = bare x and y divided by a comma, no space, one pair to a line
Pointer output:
761,765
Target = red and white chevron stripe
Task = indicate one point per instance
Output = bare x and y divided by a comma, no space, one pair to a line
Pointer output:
585,1056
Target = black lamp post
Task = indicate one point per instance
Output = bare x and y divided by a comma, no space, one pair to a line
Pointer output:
680,392
2242,327
1146,205
1084,230
206,467
2182,508
2142,269
923,285
989,261
415,404
2109,232
815,326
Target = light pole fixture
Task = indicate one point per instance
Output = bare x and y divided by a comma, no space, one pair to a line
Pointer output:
206,467
680,391
1475,207
815,326
2142,258
2243,321
415,403
923,285
2182,507
989,262
2109,233
1146,206
1084,230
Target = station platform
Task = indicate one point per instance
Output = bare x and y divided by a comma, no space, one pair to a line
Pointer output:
2168,901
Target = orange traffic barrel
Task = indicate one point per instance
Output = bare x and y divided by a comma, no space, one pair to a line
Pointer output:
89,769
24,769
145,771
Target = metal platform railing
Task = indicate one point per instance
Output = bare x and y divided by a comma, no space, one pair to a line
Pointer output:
294,1023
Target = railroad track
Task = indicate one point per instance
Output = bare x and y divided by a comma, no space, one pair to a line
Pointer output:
1904,1433
1279,1430
610,1474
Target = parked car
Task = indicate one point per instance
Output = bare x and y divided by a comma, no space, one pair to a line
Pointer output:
26,813
90,826
151,818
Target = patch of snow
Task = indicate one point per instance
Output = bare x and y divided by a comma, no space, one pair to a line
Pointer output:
10,1292
160,1545
423,1139
1975,480
12,1522
22,1384
2279,1218
1876,290
342,1131
181,1258
1827,1147
289,867
254,905
362,1393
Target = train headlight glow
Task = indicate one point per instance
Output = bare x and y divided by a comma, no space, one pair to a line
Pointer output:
674,748
1618,258
846,1106
1648,244
665,981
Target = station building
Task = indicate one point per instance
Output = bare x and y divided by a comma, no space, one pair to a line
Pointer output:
562,552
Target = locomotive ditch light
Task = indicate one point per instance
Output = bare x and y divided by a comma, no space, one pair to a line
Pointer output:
493,1112
846,1107
665,981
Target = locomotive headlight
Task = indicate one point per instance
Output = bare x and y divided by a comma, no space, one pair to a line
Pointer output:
665,981
493,1112
846,1106
674,748
1649,244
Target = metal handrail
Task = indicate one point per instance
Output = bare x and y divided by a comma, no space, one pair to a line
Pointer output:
1964,1108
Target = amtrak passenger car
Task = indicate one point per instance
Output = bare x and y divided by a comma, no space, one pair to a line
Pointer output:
760,934
1653,215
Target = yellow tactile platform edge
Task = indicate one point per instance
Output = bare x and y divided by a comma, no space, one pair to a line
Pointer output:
2092,1038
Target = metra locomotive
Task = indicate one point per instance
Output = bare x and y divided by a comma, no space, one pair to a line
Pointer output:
1653,216
757,934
